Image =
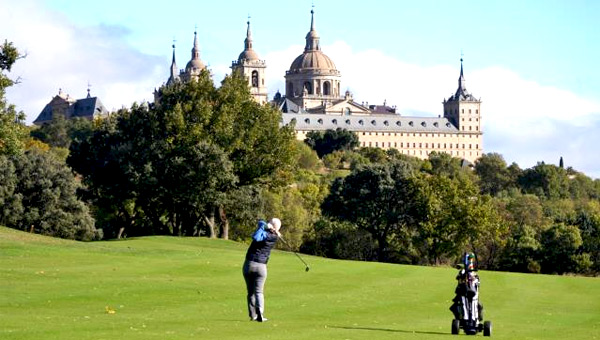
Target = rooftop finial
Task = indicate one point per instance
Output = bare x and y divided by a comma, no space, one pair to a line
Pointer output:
88,89
248,41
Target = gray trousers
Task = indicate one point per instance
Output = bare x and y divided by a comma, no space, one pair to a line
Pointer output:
255,275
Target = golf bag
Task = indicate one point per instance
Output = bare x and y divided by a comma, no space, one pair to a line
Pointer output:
468,312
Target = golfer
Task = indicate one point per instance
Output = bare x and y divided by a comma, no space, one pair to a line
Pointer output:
255,266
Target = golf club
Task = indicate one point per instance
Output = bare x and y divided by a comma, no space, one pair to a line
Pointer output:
290,248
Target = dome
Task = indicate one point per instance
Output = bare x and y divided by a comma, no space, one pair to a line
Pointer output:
194,65
313,60
248,55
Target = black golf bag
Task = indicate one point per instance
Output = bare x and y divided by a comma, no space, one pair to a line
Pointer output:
468,312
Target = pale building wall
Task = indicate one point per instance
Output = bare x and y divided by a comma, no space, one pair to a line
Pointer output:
421,144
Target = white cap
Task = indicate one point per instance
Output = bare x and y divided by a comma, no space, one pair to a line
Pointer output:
275,223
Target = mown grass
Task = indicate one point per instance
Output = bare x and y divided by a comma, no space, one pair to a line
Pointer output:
192,288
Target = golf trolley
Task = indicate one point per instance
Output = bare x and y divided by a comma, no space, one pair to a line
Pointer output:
466,308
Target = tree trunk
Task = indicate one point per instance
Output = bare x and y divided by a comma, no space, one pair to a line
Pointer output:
210,221
225,223
381,249
121,230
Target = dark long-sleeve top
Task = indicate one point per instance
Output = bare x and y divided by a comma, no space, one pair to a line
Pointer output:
263,240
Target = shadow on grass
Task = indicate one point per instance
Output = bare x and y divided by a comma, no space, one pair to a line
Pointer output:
387,330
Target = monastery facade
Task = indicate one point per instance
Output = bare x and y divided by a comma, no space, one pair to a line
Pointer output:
313,102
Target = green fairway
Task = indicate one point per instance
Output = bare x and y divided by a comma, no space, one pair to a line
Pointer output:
192,288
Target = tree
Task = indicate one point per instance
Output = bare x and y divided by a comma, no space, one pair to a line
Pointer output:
444,164
60,132
546,181
559,246
326,142
493,174
183,161
12,123
43,197
339,240
379,199
307,157
452,217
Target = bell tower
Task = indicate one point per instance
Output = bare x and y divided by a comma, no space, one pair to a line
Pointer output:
252,68
462,109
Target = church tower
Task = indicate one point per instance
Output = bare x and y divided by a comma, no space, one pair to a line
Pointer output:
252,68
463,110
312,80
195,65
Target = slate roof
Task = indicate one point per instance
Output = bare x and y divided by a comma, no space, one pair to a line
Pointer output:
379,123
89,108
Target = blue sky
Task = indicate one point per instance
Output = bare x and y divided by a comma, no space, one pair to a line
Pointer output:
534,64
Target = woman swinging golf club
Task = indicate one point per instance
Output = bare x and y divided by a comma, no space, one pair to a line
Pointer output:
255,266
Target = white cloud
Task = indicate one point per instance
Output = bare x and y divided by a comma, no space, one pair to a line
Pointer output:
62,55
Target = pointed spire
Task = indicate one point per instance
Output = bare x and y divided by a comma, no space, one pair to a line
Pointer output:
88,90
248,41
462,88
195,49
174,76
312,38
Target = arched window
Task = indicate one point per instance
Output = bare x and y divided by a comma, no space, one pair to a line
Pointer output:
326,89
308,87
254,78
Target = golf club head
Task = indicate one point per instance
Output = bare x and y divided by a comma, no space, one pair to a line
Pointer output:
307,268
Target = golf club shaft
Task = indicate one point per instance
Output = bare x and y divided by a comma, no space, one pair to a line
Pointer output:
287,244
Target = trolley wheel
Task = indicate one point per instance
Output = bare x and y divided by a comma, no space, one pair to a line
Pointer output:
487,328
455,326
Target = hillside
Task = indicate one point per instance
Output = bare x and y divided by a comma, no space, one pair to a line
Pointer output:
192,288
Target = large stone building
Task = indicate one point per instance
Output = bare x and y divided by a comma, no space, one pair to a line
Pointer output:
313,102
69,107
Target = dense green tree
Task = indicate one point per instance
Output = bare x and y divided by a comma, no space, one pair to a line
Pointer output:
379,198
46,189
339,240
11,200
373,154
521,251
60,132
546,181
588,222
307,157
184,161
559,246
493,174
453,218
13,131
326,142
444,164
